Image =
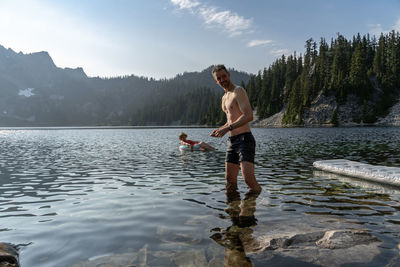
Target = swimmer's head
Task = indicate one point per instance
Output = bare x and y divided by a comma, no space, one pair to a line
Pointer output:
182,135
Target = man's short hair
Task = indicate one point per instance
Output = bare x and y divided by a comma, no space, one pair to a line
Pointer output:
218,68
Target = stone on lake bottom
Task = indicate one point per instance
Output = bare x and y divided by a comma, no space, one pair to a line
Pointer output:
8,255
329,248
190,258
345,239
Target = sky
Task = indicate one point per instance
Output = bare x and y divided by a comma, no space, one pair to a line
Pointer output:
164,38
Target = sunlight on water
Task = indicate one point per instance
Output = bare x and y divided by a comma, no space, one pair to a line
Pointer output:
76,196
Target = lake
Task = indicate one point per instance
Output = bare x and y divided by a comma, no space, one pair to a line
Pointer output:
71,197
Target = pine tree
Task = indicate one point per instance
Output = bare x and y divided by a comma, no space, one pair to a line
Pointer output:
358,72
379,65
339,78
252,90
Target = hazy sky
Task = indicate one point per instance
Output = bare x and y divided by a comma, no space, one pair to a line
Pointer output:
162,38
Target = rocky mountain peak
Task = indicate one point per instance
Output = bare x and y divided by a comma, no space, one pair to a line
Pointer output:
41,58
77,73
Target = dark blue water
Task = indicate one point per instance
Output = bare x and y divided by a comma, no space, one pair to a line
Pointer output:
70,195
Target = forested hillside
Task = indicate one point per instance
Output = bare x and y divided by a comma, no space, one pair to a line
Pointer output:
190,108
35,92
188,99
365,67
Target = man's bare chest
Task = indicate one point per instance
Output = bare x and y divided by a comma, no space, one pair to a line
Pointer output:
228,102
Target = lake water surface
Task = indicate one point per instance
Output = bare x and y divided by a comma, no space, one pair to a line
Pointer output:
72,195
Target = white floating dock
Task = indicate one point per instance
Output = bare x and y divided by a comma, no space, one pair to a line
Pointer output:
380,174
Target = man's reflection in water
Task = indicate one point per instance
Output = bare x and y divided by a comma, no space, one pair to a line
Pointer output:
236,236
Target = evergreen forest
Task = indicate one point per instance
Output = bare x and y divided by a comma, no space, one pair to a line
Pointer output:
364,66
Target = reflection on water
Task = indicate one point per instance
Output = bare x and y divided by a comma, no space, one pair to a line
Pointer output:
234,237
80,194
367,185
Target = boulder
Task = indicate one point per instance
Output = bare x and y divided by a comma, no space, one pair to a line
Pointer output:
8,255
345,239
393,118
326,248
274,121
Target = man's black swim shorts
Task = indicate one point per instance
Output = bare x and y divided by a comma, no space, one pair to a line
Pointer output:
241,147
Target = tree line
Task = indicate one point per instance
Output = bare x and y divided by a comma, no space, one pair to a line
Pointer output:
200,106
184,101
364,66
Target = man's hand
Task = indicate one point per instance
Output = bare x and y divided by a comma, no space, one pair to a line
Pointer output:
219,132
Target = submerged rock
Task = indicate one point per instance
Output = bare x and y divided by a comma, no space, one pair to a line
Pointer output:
8,255
334,239
303,241
145,257
345,239
326,248
115,260
190,258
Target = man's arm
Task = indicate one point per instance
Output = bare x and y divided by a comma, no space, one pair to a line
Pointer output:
216,131
245,108
226,125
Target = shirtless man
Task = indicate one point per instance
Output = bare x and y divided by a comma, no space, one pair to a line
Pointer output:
241,144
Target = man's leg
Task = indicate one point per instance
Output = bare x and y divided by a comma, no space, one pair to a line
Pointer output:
231,173
248,176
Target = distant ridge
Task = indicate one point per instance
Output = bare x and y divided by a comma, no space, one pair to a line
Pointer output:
35,92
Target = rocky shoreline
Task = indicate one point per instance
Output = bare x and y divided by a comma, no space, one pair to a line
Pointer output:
309,241
320,112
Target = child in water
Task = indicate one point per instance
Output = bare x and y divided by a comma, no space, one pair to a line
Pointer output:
191,143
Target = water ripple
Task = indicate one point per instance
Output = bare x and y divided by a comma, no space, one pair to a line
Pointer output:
77,194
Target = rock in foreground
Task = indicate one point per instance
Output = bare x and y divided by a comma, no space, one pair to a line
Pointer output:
8,255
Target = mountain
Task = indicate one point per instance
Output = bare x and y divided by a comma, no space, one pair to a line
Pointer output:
345,82
204,79
35,92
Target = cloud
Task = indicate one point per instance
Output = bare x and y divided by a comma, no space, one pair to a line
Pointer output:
226,20
377,29
254,43
280,52
396,27
185,4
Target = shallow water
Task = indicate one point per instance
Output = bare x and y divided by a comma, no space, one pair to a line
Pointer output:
69,195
